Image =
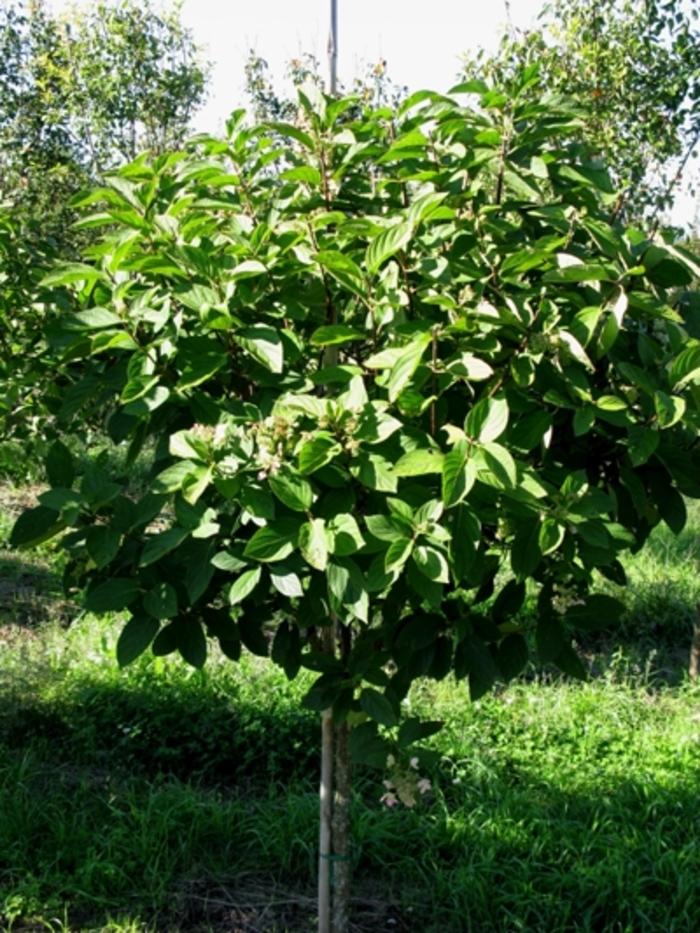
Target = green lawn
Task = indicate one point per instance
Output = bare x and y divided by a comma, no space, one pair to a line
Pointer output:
165,799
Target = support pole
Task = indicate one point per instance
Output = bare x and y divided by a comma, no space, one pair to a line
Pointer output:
333,49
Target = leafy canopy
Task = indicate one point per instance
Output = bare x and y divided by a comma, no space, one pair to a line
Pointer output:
384,367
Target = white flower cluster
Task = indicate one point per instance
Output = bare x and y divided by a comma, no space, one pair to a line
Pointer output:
405,785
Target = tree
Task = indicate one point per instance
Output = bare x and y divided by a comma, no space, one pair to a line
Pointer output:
82,93
635,67
77,96
385,393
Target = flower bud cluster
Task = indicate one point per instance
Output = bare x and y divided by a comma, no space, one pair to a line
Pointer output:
275,438
405,785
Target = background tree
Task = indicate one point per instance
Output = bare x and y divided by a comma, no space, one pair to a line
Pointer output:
82,93
384,394
78,94
635,67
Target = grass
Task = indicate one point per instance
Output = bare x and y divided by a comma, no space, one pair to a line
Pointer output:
162,799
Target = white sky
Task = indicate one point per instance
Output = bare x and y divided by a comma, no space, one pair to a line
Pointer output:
421,41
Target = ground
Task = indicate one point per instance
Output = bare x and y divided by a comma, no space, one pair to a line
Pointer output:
162,799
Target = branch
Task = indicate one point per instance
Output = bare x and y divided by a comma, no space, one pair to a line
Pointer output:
674,181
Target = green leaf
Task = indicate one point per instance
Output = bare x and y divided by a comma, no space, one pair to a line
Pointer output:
317,452
487,420
313,543
94,319
509,600
293,132
244,585
529,431
419,462
374,472
102,543
70,273
161,601
551,535
570,663
414,730
670,409
333,335
473,659
286,649
466,534
285,581
597,612
253,636
345,535
347,588
112,595
258,502
582,272
386,244
248,269
34,526
406,364
161,544
500,464
431,563
642,443
385,528
135,637
458,474
273,542
197,482
343,269
367,747
192,642
512,656
672,510
173,477
397,554
584,419
200,571
571,347
291,489
550,638
525,550
684,369
377,707
198,359
264,344
60,469
610,403
471,368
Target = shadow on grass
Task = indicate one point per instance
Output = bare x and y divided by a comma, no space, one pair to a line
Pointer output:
652,642
31,593
518,853
166,728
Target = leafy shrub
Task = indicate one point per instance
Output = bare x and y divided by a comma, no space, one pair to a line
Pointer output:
391,364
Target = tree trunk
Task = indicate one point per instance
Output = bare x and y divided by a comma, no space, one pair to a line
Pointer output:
325,836
342,868
334,865
694,666
326,816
